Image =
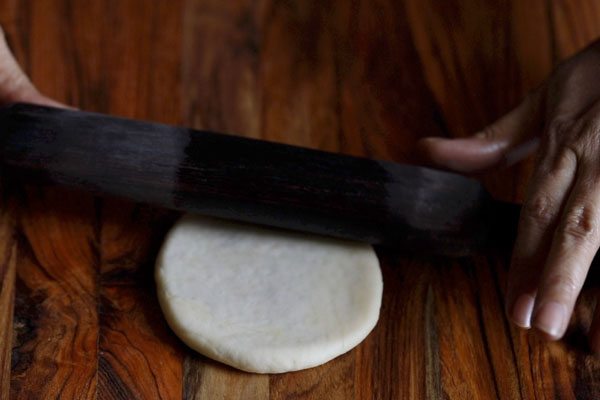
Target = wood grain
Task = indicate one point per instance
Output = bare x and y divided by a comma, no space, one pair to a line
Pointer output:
8,247
56,323
360,77
205,379
85,313
139,356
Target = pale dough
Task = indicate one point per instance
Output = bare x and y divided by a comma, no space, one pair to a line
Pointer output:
266,300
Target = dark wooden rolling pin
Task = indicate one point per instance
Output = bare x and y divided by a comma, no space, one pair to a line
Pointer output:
255,181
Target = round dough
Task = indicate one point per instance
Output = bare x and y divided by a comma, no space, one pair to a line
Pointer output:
266,300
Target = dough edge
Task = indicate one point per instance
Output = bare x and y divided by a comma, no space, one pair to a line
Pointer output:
266,361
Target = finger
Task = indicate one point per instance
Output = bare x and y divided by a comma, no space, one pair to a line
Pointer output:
13,82
15,86
575,243
573,77
41,100
491,146
547,192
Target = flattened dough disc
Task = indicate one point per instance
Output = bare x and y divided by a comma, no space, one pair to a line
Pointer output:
266,300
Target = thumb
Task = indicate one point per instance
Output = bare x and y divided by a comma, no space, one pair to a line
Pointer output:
15,86
504,142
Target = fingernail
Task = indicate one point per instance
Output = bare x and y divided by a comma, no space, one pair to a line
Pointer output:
550,318
522,309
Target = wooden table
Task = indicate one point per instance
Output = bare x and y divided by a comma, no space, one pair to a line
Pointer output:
359,77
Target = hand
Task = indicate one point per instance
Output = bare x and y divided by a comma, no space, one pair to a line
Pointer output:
559,228
14,84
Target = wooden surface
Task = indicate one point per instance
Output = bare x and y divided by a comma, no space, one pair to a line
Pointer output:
362,77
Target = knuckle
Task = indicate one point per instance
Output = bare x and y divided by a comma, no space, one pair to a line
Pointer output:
579,224
544,156
491,132
539,209
559,127
591,126
567,285
586,146
554,167
566,158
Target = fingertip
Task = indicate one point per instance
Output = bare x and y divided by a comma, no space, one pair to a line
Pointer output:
471,154
550,320
428,143
32,96
440,152
520,311
426,149
544,335
47,101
